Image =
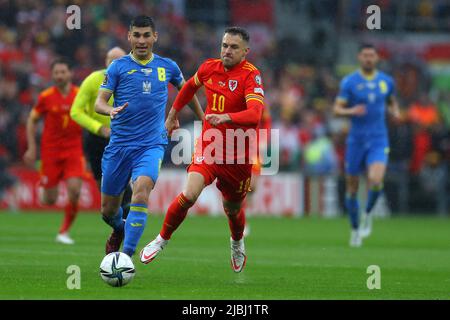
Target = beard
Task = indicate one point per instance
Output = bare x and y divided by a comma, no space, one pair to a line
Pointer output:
368,68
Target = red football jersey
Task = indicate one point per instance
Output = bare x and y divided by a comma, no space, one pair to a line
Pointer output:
60,131
228,92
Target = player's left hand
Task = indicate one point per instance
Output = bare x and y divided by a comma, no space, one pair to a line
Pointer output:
216,119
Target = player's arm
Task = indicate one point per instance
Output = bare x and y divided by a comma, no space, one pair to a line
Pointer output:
393,107
249,117
340,109
194,104
341,104
106,90
78,111
102,106
30,155
185,95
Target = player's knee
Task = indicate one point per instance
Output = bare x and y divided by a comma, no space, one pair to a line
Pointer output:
351,186
140,196
108,209
231,212
375,181
231,209
190,195
48,199
352,189
74,195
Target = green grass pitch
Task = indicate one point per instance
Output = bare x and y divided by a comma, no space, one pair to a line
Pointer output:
306,258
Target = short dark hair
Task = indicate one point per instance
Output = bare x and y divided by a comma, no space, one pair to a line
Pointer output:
238,31
142,22
363,46
61,60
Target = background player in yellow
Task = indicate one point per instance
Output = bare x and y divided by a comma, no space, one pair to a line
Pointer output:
97,125
83,111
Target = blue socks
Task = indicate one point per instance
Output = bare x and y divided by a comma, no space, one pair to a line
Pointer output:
115,222
134,227
352,206
372,197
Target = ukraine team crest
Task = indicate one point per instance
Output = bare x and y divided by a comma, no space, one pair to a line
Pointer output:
146,87
232,84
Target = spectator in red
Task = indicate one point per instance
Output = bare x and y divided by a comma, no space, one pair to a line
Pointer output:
423,115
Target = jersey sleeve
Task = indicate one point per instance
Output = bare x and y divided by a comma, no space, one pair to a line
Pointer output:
111,78
254,90
254,99
41,106
176,74
81,103
344,91
199,76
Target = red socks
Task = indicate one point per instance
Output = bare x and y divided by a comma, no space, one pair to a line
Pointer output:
177,212
237,225
70,212
175,215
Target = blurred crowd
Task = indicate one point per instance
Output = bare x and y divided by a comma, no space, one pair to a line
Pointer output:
300,96
409,15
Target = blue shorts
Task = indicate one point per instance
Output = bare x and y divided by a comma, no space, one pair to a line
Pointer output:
362,153
120,163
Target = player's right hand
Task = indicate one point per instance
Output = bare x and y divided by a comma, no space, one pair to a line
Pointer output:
358,110
115,111
171,124
30,157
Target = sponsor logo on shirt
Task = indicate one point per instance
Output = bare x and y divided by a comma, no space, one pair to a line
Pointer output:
371,85
259,90
147,71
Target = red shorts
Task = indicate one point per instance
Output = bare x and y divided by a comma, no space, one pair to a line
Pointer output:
233,180
59,166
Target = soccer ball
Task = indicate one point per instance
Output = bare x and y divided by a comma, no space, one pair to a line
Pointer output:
117,269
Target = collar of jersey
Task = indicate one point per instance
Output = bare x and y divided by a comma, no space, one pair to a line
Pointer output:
236,66
142,62
71,87
371,77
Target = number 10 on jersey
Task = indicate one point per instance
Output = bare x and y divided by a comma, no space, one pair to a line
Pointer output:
218,104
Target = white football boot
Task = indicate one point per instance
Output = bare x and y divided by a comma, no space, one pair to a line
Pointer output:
355,239
151,250
64,238
366,227
238,257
